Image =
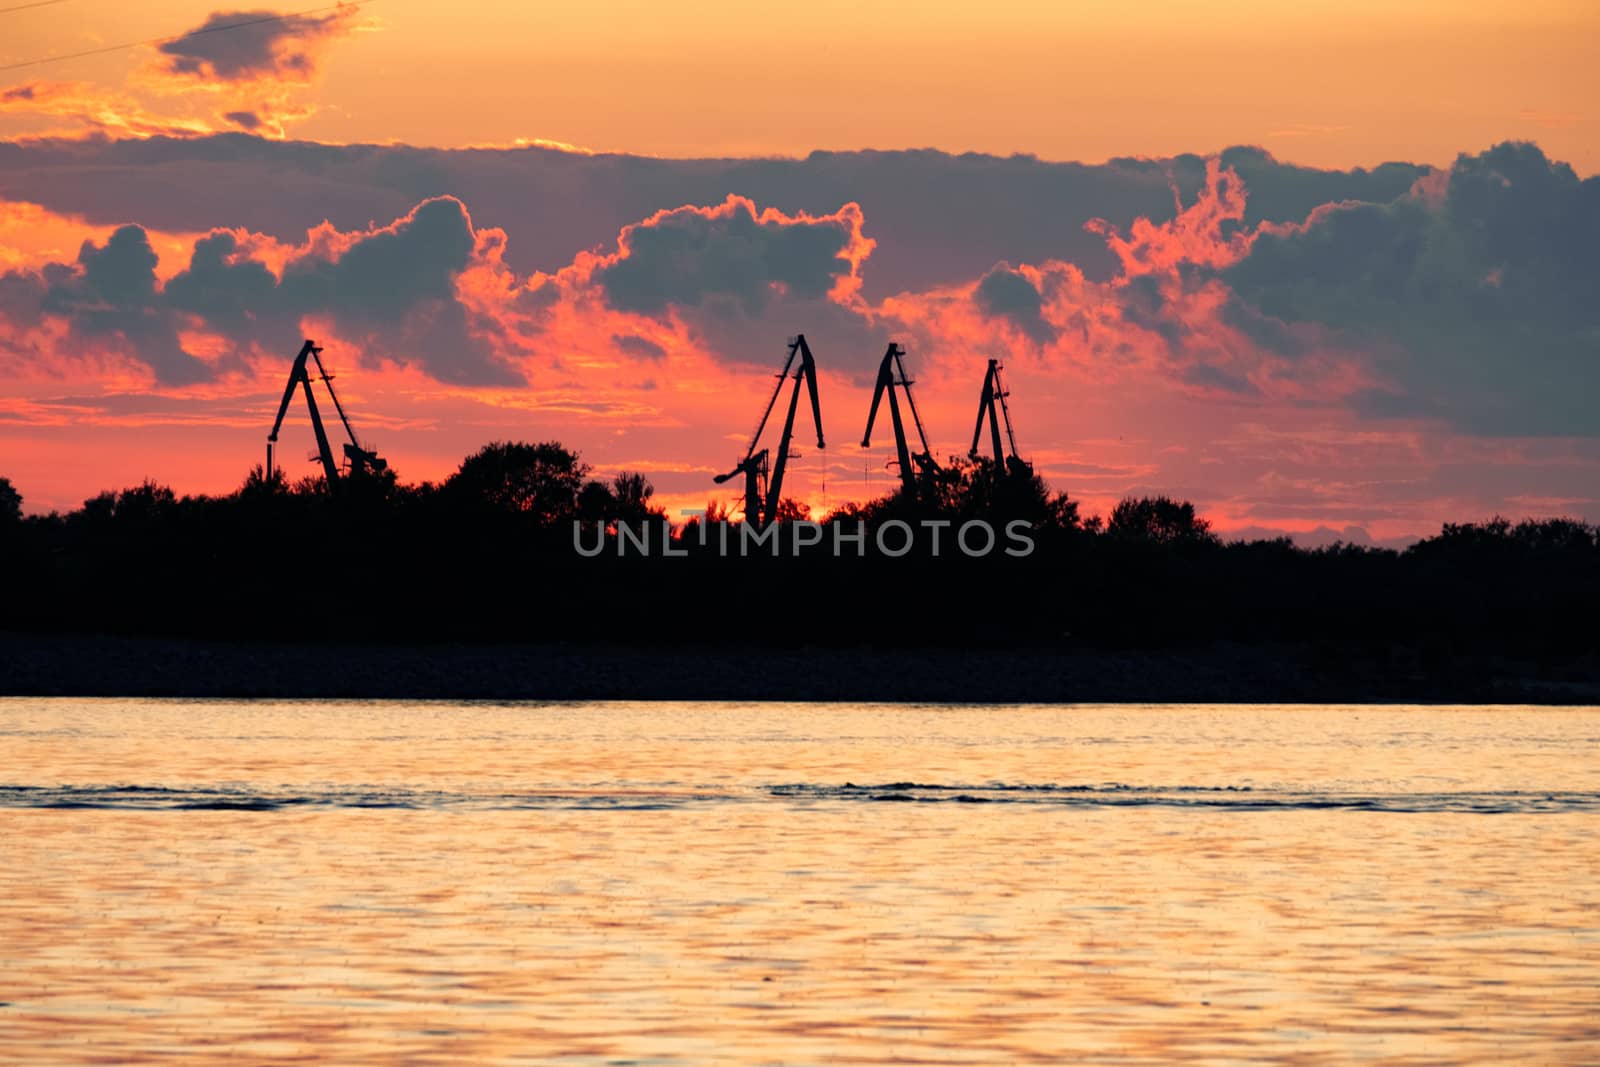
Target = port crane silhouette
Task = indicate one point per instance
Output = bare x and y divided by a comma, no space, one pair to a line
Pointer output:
892,378
992,405
763,489
359,459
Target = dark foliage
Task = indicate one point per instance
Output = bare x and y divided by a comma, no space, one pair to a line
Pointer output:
491,555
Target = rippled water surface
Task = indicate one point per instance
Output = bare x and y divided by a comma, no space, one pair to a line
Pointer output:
677,884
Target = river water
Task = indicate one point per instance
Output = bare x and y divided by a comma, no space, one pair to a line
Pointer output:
696,884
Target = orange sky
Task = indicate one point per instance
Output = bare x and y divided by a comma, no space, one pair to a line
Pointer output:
1106,404
1326,82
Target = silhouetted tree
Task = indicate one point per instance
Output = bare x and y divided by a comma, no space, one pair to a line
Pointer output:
1555,535
1499,535
260,484
791,510
631,493
466,561
1159,520
10,503
148,501
965,488
541,481
369,488
140,505
595,502
626,499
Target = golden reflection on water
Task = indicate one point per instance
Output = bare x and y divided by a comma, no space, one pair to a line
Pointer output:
690,916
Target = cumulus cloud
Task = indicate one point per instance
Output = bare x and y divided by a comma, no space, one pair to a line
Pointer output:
373,276
730,279
938,219
1461,298
1161,316
111,298
687,256
391,291
1476,307
1305,367
1010,294
1467,300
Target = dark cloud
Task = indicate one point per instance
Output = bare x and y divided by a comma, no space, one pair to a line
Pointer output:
1283,192
1005,293
392,289
385,272
1535,227
743,280
1272,334
150,408
634,345
688,255
21,293
842,340
247,45
939,219
1478,309
1469,301
1144,305
232,293
112,296
245,120
1215,379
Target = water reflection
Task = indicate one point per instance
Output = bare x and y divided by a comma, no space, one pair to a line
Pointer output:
678,884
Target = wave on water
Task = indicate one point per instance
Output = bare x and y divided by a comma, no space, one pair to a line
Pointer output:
1233,797
225,798
651,798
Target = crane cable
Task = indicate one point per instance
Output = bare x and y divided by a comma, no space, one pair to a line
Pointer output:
824,462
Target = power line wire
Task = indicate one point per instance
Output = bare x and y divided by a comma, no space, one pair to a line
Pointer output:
25,7
181,36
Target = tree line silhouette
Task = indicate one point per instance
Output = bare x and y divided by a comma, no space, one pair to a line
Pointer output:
487,555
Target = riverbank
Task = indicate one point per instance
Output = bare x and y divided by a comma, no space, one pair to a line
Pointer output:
79,665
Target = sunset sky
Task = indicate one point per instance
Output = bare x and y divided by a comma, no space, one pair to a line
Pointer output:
1325,268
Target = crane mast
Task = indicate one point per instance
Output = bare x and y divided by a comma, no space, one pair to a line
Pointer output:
360,460
763,487
992,405
892,373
